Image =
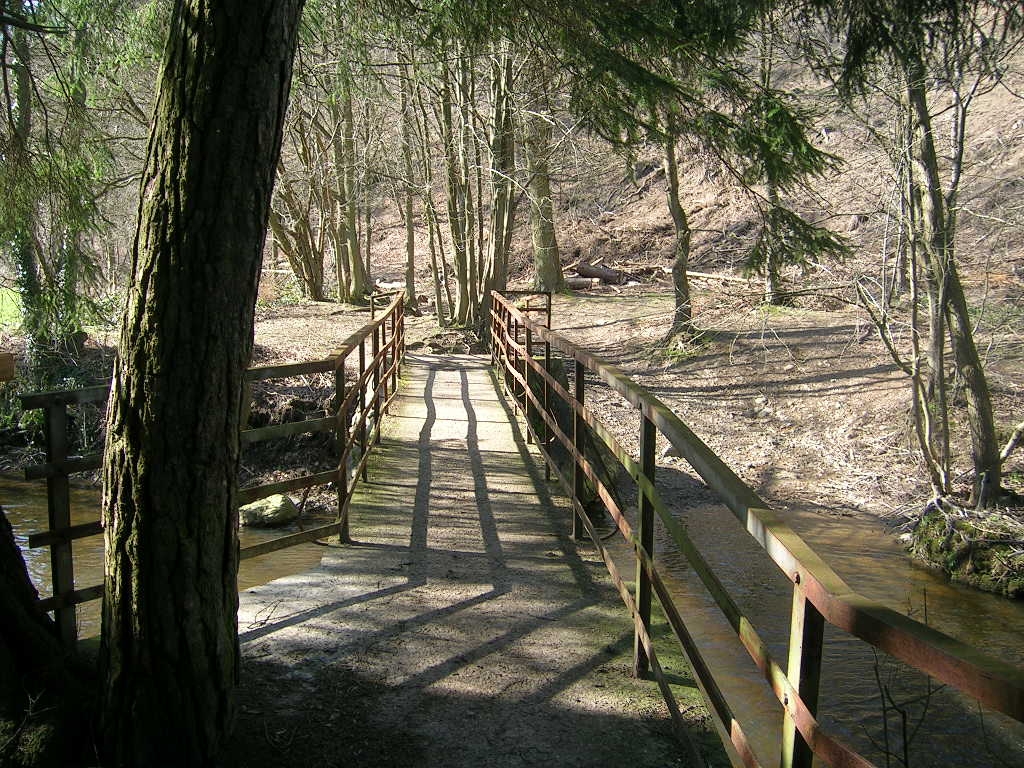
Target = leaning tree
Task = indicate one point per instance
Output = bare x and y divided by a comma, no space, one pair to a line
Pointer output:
169,652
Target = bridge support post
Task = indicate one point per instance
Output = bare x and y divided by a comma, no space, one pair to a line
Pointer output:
806,631
362,404
547,407
645,534
527,391
578,529
375,379
342,436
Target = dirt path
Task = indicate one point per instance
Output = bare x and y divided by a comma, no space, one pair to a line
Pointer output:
464,629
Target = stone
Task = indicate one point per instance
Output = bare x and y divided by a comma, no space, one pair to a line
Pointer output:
271,512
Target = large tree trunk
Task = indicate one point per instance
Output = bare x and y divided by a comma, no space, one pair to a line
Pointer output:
169,649
502,170
546,260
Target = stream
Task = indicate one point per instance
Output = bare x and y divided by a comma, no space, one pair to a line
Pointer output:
25,506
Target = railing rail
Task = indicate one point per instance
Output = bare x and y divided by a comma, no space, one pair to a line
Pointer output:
355,422
819,594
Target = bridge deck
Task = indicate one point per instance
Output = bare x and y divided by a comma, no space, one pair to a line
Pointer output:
465,628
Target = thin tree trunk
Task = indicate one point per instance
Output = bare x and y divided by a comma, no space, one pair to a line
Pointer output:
682,321
358,283
411,302
26,258
456,198
502,167
169,651
939,251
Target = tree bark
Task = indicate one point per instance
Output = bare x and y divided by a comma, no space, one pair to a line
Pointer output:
169,651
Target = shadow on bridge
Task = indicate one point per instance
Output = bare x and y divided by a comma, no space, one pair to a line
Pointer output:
463,600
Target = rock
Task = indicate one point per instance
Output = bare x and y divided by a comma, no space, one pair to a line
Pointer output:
270,512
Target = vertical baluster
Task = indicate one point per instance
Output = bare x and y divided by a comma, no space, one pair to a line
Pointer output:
515,361
806,632
385,351
362,402
342,432
375,377
526,387
645,533
578,447
58,498
547,406
396,343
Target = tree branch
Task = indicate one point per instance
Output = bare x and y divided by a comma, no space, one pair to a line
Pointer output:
11,21
1013,442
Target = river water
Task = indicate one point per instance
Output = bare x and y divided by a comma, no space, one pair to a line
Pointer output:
25,505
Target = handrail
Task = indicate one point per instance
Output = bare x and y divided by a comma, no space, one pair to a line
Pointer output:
820,594
356,422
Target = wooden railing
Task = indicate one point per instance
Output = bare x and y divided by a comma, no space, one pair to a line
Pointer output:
819,594
355,422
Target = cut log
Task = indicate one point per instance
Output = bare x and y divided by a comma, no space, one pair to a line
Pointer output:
604,274
580,283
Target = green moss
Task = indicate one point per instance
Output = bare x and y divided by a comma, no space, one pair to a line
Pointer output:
973,549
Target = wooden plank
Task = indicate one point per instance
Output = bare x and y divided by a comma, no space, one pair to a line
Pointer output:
7,369
71,599
58,497
289,429
71,533
247,495
67,467
645,533
97,394
283,542
264,372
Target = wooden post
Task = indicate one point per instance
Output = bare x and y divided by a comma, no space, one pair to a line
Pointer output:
578,530
547,407
58,498
645,532
385,352
375,382
806,630
342,438
515,361
396,344
362,404
526,389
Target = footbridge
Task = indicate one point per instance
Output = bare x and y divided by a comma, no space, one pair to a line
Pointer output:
474,583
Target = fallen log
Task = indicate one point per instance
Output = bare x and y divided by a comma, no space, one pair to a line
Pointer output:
579,283
604,274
